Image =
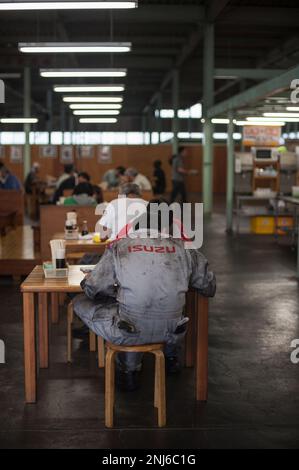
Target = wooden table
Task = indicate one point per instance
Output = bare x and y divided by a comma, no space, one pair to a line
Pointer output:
36,285
84,246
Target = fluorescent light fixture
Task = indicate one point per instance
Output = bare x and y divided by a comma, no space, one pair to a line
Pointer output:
96,112
95,106
98,120
283,115
220,121
272,119
57,5
259,123
18,120
87,88
292,108
70,73
67,47
92,99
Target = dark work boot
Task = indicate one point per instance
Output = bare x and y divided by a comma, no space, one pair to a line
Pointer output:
81,333
173,367
127,381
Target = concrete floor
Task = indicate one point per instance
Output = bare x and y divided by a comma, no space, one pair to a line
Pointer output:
253,386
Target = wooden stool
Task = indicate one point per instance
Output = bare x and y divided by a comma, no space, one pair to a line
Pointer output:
160,395
92,339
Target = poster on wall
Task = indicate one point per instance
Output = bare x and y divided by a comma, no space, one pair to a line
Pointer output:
85,151
16,154
66,154
261,136
105,154
48,151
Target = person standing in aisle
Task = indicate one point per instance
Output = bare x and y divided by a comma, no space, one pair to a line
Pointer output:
159,178
32,178
178,175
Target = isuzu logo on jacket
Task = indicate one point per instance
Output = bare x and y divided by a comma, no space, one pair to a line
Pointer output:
151,249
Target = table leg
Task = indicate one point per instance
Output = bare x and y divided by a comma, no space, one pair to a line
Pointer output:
54,307
202,349
43,330
29,347
189,339
62,297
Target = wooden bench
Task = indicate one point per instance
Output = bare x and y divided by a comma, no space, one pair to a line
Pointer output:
12,201
7,219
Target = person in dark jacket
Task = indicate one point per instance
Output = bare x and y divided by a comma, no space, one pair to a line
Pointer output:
7,179
83,195
71,183
159,178
32,178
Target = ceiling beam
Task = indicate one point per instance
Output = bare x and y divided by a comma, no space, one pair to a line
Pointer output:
168,13
272,57
253,94
131,62
255,74
10,75
65,38
214,8
20,96
278,53
260,15
145,13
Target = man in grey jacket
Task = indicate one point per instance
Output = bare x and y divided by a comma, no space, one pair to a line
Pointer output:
136,295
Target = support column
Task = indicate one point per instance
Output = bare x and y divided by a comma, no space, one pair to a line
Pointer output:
208,101
230,174
175,105
150,123
62,121
144,126
159,119
27,113
50,114
71,123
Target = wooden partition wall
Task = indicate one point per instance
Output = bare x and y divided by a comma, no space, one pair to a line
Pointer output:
139,156
52,221
13,201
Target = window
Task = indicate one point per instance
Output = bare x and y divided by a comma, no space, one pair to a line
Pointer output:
108,138
194,112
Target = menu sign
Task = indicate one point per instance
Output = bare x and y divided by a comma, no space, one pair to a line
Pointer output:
105,154
261,136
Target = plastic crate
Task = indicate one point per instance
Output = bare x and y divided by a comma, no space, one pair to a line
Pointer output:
284,224
263,225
